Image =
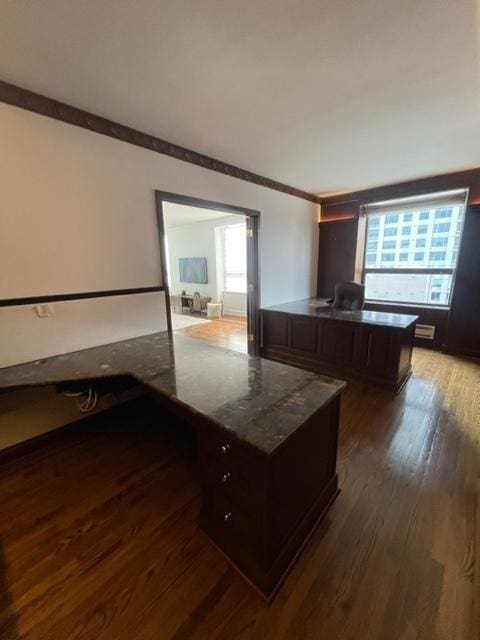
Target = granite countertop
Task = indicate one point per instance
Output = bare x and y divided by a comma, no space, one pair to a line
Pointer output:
317,308
260,401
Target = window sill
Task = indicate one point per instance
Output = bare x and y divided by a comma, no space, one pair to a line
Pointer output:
408,305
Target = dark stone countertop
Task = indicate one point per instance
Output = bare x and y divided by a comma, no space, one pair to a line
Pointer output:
317,308
260,401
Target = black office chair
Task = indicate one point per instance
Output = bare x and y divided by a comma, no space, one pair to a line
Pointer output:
349,295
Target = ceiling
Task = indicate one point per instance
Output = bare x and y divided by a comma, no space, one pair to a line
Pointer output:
324,96
179,215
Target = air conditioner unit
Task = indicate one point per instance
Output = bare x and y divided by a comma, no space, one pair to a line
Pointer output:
425,331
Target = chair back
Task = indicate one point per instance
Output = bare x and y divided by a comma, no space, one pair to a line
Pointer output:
349,295
197,302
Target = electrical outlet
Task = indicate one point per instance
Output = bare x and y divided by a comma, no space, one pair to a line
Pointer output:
44,310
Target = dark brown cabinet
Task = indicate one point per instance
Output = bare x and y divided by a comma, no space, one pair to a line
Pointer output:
350,349
260,509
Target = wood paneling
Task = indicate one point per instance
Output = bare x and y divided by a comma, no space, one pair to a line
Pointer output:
336,251
304,334
338,342
463,335
347,205
99,537
275,330
336,255
374,353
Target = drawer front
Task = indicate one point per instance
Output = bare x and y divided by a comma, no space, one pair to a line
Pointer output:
238,533
232,469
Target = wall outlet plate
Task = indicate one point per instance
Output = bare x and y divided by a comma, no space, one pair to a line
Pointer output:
44,310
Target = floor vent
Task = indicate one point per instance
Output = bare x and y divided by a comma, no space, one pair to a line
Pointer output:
425,331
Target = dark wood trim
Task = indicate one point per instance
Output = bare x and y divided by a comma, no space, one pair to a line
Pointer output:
253,279
30,101
163,255
253,217
457,180
192,201
63,297
401,271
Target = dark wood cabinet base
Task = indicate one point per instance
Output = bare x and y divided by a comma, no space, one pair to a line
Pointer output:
298,360
261,510
354,350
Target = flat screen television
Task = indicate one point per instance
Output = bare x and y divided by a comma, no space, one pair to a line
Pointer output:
193,270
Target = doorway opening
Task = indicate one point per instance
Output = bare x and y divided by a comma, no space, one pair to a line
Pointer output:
209,257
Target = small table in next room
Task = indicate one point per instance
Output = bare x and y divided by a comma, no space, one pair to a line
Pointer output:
368,345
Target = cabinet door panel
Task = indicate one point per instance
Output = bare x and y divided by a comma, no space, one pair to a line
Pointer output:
338,343
275,329
377,350
304,334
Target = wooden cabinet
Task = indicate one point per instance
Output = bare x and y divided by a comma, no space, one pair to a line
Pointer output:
374,353
260,509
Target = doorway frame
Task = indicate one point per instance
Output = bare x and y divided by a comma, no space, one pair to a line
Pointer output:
253,278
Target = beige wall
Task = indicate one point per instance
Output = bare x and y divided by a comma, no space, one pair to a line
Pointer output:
77,214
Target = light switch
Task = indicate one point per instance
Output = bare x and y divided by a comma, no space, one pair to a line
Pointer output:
44,310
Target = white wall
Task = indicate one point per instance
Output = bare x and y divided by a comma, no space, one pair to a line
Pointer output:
77,214
196,241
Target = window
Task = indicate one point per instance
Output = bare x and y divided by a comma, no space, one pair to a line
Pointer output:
441,227
235,258
423,275
391,218
438,256
443,213
439,242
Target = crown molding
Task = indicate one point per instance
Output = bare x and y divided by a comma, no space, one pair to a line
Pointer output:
30,101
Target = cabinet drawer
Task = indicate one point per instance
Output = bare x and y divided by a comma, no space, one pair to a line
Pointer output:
233,469
231,526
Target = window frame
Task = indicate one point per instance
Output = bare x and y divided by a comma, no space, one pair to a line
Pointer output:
233,274
406,271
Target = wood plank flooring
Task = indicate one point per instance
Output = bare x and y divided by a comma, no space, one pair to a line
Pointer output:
229,332
99,536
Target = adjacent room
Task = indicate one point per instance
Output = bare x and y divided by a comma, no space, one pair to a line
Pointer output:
206,259
240,320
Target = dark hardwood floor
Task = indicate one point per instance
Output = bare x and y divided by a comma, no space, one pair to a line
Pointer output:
99,536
